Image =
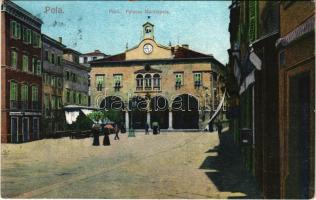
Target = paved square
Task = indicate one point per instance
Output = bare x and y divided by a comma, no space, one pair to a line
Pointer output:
169,165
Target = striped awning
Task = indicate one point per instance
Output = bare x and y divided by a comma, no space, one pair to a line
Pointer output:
298,32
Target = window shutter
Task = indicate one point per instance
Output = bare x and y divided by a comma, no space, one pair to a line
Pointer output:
252,31
18,30
39,67
12,28
12,91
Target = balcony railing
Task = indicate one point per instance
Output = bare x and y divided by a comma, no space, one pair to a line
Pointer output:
35,105
24,105
13,104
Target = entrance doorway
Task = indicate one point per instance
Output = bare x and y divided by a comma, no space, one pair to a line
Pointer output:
14,130
137,112
185,112
298,179
159,111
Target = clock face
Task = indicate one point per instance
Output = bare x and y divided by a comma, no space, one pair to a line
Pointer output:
148,48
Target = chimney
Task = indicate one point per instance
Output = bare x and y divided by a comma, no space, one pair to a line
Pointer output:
185,46
60,40
97,51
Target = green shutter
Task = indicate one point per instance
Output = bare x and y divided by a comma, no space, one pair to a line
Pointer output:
13,59
39,67
18,31
34,93
25,64
24,93
252,31
12,28
13,91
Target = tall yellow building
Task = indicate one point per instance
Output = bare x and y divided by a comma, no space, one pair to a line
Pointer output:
173,85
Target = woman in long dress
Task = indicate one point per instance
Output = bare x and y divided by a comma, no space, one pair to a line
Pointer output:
95,132
106,139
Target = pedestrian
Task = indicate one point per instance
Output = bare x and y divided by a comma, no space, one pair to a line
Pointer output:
146,128
219,127
117,130
106,139
123,129
95,132
155,128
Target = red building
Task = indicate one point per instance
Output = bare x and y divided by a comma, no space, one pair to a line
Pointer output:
21,81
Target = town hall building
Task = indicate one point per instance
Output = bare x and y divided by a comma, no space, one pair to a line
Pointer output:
173,85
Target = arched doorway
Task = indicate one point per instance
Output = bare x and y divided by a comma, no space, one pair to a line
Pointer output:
114,104
159,111
185,112
137,112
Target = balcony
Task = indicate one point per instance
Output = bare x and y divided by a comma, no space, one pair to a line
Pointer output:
24,105
35,105
14,104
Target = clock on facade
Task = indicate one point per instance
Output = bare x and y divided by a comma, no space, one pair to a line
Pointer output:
148,48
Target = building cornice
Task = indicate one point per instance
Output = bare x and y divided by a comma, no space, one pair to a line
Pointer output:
23,15
153,61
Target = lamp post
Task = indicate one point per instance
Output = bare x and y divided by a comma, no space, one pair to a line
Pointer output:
131,131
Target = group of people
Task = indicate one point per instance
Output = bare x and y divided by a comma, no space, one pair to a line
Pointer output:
107,129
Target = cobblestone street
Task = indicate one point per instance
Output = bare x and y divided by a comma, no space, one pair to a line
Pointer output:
169,165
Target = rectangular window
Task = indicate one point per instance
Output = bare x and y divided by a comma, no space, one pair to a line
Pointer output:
74,97
117,80
46,55
179,79
39,67
46,101
24,34
67,96
59,103
197,79
24,93
99,82
53,58
59,82
13,91
36,39
25,63
34,93
14,59
24,96
33,65
67,75
79,98
85,59
59,60
54,102
28,36
15,30
36,127
52,83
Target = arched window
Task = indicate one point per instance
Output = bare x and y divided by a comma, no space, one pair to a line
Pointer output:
156,80
139,82
147,82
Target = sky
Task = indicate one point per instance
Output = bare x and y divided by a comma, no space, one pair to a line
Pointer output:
109,26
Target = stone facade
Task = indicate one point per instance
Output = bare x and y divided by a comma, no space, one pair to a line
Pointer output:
296,54
150,70
52,85
76,84
21,81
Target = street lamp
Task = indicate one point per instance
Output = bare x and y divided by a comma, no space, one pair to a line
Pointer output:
131,131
